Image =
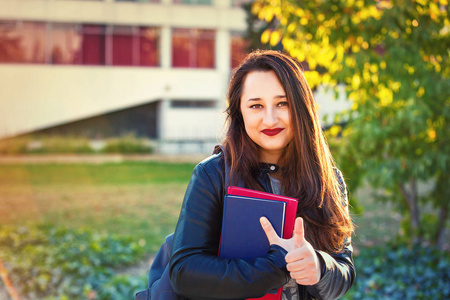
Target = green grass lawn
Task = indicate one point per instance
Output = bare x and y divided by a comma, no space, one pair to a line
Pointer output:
141,199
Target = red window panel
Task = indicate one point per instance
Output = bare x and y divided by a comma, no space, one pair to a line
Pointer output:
22,42
93,45
239,48
65,45
124,46
181,48
205,50
149,46
193,48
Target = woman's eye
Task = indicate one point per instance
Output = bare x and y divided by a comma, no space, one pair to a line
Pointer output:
284,103
256,106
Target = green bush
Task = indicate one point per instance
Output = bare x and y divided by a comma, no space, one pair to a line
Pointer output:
127,144
14,146
62,144
58,263
399,272
121,287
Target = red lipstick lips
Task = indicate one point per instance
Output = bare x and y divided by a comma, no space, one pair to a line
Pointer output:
272,132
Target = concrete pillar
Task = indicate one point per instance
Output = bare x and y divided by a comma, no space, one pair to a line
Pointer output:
166,47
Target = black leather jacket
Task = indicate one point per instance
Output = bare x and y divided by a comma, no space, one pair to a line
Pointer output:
196,272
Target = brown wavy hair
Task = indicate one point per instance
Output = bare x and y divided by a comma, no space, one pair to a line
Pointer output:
307,165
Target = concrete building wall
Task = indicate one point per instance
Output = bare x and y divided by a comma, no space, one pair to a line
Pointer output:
37,96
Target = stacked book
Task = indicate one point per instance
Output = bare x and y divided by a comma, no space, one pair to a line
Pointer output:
242,235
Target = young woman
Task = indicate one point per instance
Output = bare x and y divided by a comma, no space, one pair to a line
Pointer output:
274,143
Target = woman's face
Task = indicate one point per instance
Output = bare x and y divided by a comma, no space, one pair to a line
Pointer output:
265,110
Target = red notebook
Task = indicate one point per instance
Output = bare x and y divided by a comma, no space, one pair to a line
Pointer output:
289,222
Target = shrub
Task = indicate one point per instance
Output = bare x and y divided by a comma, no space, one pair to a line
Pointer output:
61,144
127,144
14,146
58,263
399,272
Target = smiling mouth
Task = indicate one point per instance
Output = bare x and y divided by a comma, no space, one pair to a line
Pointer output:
272,132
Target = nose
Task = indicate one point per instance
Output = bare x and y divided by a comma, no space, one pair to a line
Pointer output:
270,117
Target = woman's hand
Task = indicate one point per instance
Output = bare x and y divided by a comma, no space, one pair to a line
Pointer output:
302,261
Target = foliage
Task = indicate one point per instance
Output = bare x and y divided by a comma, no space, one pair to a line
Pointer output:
57,263
127,144
393,57
121,287
399,272
14,146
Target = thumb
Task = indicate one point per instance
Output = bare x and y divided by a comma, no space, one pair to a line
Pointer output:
271,234
299,233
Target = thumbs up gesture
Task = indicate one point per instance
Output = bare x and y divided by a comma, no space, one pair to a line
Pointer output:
302,261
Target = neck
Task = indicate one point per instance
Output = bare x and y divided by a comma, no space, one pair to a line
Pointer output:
269,158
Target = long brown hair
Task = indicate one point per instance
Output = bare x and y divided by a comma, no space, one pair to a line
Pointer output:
307,164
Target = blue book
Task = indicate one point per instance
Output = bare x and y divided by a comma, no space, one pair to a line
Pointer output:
242,235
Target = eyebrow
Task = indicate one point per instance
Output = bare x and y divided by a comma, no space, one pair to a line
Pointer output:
276,97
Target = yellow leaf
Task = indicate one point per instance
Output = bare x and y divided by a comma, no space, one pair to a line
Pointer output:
350,62
292,27
275,38
431,135
356,81
420,92
373,68
265,36
374,78
335,129
385,95
313,78
299,12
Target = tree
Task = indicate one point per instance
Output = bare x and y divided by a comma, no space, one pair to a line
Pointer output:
393,58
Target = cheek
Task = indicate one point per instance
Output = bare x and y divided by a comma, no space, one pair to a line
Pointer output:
250,121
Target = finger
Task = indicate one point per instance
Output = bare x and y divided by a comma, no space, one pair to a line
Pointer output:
299,234
296,255
296,266
271,234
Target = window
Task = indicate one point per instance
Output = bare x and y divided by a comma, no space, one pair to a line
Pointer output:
149,46
193,48
124,44
78,44
93,45
238,49
65,46
193,103
135,46
22,42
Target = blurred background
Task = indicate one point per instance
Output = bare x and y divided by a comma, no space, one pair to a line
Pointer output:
107,105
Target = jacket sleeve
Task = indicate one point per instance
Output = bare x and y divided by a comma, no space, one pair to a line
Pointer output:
338,271
196,271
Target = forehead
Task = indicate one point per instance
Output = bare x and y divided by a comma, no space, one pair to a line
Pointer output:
260,82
